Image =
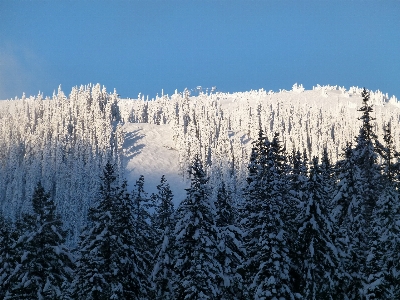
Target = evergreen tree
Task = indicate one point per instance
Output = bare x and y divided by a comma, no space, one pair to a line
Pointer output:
195,246
382,264
7,258
45,266
108,262
252,209
365,157
328,172
144,241
230,245
272,280
320,258
346,221
163,224
164,208
298,178
390,165
366,189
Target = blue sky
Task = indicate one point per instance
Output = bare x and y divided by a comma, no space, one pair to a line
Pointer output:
145,46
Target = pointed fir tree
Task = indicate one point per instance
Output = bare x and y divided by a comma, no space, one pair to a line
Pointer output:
7,257
346,218
230,245
390,166
145,240
320,258
251,210
45,267
382,277
107,266
163,224
365,157
328,172
367,188
164,208
195,247
272,280
297,191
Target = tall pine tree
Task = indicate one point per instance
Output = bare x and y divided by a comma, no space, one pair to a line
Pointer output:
45,266
195,247
252,209
272,279
230,246
107,267
163,224
320,257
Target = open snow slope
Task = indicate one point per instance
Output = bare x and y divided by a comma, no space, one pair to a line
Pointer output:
149,150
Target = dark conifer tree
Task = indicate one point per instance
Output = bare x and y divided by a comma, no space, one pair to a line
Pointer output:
163,224
230,244
195,247
346,216
252,209
107,267
367,188
164,209
328,175
390,165
272,279
365,158
382,279
145,241
7,257
45,265
320,258
297,185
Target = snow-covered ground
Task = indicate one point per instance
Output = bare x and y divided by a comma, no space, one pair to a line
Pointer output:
149,150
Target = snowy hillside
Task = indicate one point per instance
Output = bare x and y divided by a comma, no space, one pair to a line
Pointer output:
149,150
65,141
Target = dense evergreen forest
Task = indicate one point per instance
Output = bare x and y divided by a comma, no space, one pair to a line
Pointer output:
279,222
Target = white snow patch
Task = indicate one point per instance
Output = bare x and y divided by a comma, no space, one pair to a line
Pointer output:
149,150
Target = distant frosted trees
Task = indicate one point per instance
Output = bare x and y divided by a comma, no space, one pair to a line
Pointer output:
63,142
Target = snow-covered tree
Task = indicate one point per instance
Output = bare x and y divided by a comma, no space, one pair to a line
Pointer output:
382,277
367,187
195,247
45,267
107,266
164,207
320,257
346,218
297,191
272,279
230,244
7,258
252,209
163,224
390,164
144,240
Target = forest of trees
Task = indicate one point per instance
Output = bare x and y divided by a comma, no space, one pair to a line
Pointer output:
299,226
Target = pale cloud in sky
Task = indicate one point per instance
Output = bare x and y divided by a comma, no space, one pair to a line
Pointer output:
20,71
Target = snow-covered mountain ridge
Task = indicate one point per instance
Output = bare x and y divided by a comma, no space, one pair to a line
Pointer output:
65,141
